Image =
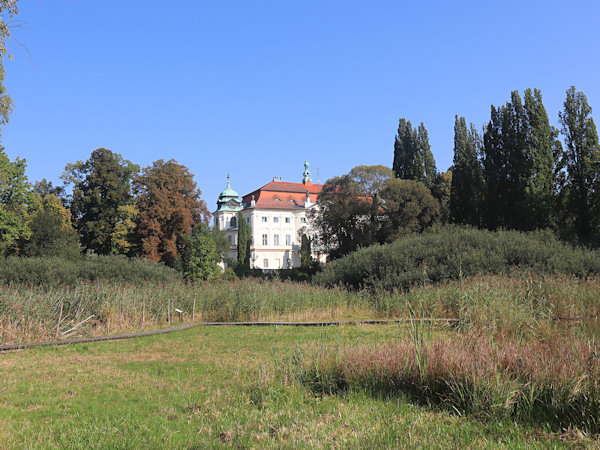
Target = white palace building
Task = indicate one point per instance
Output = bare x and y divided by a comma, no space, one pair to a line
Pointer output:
276,214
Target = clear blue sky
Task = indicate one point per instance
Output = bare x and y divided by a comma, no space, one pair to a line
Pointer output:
253,88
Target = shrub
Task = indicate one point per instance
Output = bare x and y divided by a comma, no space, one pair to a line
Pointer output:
451,253
51,271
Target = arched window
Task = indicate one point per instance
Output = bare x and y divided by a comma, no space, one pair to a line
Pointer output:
233,222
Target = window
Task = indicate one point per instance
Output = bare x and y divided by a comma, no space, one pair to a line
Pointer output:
247,220
278,264
266,263
264,219
287,220
303,220
276,219
233,222
265,239
276,239
288,239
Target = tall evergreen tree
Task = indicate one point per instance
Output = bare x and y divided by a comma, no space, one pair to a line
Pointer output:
243,246
413,159
581,159
466,192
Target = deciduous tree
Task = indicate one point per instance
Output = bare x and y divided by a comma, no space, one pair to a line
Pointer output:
413,159
200,255
581,159
466,193
410,208
169,205
51,231
16,198
101,185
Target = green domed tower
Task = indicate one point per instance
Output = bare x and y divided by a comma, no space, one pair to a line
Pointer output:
228,200
226,217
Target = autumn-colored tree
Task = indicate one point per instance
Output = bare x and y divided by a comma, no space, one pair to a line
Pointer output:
169,205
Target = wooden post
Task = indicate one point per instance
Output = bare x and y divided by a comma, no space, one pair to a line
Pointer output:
169,311
194,310
59,320
143,312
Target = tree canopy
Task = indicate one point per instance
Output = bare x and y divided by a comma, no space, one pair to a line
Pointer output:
101,185
169,205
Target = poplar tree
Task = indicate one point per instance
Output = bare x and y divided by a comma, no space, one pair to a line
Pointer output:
466,192
543,148
581,159
518,145
413,159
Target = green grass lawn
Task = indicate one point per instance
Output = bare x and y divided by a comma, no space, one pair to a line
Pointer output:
220,386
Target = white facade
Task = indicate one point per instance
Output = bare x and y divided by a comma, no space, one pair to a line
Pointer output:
277,220
276,237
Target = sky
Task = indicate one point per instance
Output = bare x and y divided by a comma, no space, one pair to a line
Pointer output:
255,88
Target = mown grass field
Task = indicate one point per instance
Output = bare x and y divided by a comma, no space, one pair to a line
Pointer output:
222,386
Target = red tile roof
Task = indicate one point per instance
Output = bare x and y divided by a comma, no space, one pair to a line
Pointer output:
283,195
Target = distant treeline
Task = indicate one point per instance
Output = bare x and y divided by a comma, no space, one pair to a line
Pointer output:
515,174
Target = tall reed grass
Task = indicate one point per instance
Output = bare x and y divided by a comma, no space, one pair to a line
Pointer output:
33,313
553,382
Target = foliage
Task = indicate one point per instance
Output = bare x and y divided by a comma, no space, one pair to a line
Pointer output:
413,159
124,238
243,247
452,253
51,231
8,10
101,185
467,190
306,259
345,219
199,255
410,208
45,187
581,159
441,191
544,149
15,200
52,271
369,180
519,150
169,205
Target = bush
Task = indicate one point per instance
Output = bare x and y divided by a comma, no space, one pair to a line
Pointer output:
51,271
451,253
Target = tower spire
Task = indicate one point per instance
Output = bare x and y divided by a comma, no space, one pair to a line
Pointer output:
306,178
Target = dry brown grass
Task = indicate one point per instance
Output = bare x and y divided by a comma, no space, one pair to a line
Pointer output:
554,381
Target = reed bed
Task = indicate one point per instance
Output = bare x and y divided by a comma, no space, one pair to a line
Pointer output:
42,313
553,383
524,305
